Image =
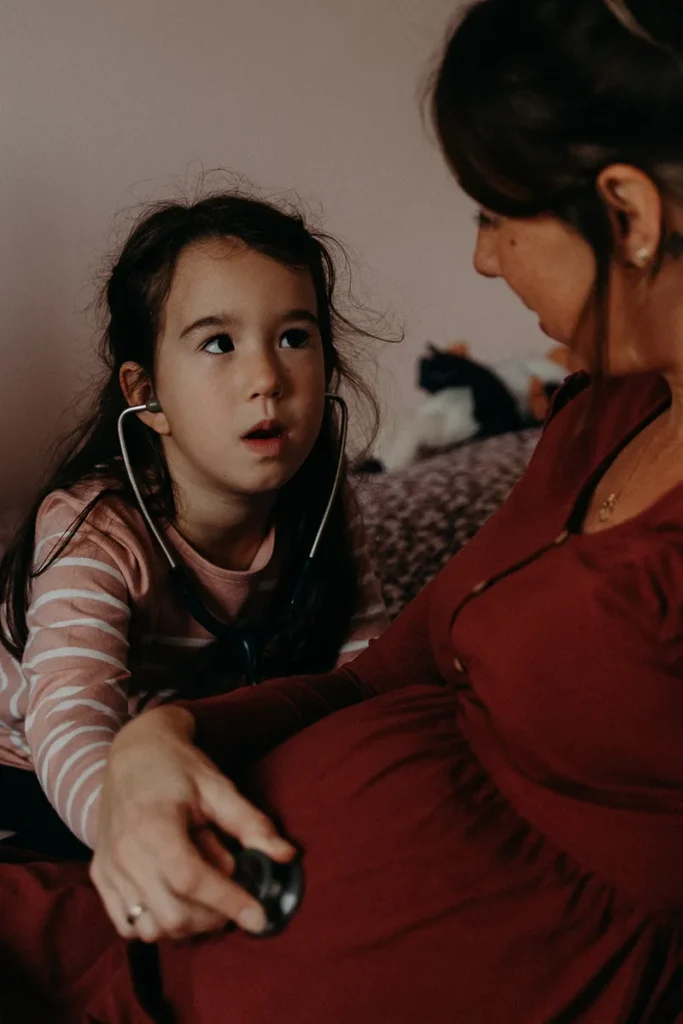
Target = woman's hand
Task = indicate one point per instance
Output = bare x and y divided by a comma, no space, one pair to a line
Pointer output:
156,848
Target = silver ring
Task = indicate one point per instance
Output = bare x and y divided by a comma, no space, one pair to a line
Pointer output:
135,913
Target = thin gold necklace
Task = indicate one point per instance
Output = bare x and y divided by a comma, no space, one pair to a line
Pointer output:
607,507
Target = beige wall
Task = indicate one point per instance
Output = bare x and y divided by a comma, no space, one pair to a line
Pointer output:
104,103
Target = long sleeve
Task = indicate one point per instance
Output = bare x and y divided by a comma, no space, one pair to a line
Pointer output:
246,724
76,666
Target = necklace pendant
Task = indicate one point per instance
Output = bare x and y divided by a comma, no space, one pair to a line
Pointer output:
607,508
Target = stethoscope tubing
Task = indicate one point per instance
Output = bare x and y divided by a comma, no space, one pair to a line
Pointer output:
201,614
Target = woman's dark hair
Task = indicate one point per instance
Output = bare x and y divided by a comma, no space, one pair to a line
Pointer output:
534,98
133,300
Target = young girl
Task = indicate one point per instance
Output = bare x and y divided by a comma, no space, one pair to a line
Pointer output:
221,319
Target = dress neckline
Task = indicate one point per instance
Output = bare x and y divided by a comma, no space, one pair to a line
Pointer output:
577,515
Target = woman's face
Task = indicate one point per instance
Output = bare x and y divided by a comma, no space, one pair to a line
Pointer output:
547,264
552,269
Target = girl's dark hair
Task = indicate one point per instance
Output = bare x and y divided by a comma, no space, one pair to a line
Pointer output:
133,299
534,98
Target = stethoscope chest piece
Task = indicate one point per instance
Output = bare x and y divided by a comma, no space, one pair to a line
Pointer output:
279,888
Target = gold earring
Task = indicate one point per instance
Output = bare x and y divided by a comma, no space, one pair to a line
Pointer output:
642,257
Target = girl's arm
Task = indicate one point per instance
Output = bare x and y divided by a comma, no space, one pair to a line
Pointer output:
76,664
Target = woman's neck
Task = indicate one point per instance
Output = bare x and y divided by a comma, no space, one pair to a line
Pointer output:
674,427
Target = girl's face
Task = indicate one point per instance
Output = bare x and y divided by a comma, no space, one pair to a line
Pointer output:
239,370
548,265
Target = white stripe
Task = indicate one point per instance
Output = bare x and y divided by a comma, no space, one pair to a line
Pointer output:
100,624
76,652
93,539
14,703
354,645
81,752
86,702
71,691
176,641
90,563
20,742
95,595
65,691
161,696
86,809
77,785
62,742
52,735
369,613
4,681
44,540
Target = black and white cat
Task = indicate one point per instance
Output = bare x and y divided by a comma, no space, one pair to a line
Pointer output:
467,401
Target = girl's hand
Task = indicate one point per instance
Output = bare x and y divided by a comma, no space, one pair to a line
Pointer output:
156,845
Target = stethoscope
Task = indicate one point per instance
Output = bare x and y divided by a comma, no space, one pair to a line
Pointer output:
277,887
248,641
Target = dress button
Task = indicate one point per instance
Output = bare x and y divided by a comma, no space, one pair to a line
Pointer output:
482,585
458,665
561,537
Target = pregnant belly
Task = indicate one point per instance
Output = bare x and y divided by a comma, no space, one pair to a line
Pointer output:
427,898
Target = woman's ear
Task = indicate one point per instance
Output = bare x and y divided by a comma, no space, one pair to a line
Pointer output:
634,206
137,390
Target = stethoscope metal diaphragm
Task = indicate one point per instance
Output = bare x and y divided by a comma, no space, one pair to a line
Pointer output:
279,888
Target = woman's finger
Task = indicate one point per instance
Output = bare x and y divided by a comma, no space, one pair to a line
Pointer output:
139,919
181,871
167,916
194,881
214,850
123,904
116,908
224,805
164,914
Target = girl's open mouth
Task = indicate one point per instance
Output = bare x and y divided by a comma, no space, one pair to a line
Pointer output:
267,438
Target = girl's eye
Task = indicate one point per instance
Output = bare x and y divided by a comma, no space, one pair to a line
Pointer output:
294,338
219,345
486,220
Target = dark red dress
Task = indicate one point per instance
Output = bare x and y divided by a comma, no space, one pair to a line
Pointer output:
498,837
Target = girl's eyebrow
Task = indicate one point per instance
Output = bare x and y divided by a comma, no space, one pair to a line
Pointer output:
230,320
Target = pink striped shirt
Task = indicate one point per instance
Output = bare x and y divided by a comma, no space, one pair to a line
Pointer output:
110,637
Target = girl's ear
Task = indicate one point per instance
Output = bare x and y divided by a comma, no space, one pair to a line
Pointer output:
137,390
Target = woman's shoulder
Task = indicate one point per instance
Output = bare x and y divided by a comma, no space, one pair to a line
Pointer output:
632,397
590,418
574,385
